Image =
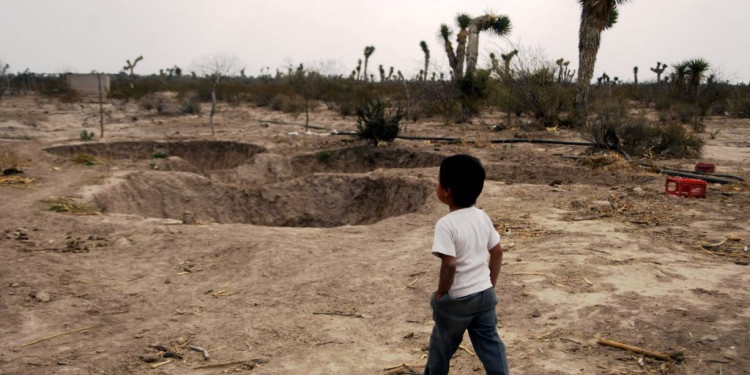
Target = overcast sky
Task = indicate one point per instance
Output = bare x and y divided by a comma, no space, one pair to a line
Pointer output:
56,36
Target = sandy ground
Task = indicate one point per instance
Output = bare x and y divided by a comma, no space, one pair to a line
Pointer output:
281,252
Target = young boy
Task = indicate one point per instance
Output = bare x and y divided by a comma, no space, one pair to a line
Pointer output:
465,298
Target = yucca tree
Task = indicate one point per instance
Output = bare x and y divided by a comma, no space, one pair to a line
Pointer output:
426,51
697,69
596,16
495,24
507,57
368,51
635,75
680,75
445,34
463,21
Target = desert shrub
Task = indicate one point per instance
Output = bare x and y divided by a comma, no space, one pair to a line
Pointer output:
539,94
87,159
738,103
667,140
86,136
64,204
191,106
160,154
286,104
9,159
609,117
377,122
685,112
324,156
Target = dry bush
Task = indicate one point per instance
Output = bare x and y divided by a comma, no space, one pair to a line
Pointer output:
281,102
9,159
63,204
87,159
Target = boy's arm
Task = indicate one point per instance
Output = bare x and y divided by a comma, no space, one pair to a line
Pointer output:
447,274
496,260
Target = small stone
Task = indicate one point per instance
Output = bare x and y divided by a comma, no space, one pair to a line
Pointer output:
709,338
638,191
181,341
42,296
62,363
536,313
167,281
14,285
188,218
730,353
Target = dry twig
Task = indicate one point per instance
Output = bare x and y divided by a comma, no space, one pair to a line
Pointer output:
56,335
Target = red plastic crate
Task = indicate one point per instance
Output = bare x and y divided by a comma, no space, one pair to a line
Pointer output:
685,187
705,168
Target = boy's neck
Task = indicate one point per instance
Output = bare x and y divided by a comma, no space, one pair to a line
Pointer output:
452,207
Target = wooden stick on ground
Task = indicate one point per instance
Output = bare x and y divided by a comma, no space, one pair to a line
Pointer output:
155,365
649,353
218,365
56,335
410,284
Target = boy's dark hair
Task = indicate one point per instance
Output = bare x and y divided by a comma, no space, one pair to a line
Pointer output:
464,176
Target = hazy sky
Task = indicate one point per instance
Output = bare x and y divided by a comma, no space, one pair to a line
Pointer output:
55,36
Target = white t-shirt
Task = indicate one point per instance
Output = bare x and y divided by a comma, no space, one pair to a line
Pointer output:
467,234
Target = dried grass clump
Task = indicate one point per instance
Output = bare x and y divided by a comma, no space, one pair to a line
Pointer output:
609,162
64,204
87,159
9,159
15,180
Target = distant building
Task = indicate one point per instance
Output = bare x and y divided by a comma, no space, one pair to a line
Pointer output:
88,84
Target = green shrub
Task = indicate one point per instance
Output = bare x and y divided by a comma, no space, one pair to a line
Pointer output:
160,154
375,122
324,156
286,104
86,136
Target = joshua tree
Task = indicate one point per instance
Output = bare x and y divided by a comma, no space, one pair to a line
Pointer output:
130,66
4,83
359,68
496,24
390,74
635,75
659,70
382,73
426,51
368,51
696,69
596,16
463,21
559,62
507,57
445,34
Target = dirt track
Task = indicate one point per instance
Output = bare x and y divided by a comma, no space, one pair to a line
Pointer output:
309,251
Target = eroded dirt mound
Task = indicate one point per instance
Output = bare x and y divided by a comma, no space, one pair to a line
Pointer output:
560,173
318,200
362,159
205,155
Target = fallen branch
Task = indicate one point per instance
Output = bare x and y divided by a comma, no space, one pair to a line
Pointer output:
155,365
206,356
56,335
219,365
649,353
339,313
403,369
467,350
410,284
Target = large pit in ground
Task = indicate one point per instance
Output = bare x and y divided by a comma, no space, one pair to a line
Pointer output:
317,200
202,155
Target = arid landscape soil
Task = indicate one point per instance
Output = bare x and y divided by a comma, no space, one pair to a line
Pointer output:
281,251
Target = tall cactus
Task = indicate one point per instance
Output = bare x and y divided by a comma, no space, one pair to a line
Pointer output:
559,62
463,21
507,57
368,52
635,75
660,68
131,66
446,33
426,51
496,24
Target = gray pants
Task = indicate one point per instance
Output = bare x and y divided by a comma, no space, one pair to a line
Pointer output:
453,316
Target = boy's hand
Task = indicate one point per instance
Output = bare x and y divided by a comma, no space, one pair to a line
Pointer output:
438,296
